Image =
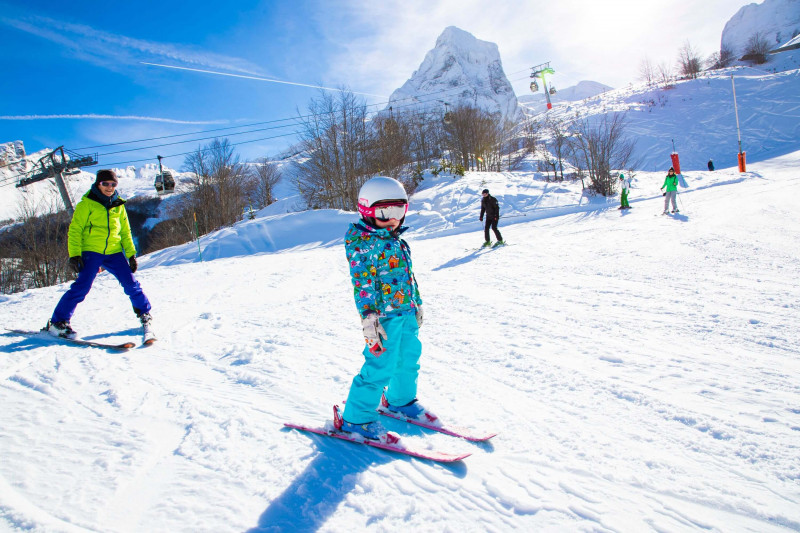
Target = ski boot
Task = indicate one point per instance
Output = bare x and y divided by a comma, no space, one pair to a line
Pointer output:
412,410
61,329
148,336
487,244
371,430
499,243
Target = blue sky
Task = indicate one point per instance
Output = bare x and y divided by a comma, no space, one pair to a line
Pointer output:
75,74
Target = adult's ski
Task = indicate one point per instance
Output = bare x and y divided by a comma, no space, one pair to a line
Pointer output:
392,442
80,342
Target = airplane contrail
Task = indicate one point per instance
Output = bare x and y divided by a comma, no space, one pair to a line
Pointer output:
256,78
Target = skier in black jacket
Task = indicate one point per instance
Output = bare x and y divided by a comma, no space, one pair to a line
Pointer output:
491,209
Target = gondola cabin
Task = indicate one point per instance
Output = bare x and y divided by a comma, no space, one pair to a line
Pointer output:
164,183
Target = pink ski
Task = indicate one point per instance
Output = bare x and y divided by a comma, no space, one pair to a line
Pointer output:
392,443
435,424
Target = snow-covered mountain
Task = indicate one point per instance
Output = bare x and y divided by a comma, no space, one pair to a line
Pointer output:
11,152
778,21
581,91
459,70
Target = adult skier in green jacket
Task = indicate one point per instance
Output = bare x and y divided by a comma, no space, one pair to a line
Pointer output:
671,193
100,236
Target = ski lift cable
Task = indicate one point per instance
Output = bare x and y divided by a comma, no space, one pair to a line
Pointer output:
431,97
12,179
231,134
301,117
194,140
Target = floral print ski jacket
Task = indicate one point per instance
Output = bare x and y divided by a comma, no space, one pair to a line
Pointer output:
380,269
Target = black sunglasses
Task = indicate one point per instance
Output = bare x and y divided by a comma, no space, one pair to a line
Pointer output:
108,183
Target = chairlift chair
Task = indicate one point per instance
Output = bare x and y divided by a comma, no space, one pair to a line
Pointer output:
552,90
534,86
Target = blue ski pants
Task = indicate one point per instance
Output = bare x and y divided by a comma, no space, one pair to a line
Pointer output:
397,368
117,265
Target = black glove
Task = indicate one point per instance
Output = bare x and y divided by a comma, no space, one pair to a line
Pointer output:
76,264
133,264
481,219
663,194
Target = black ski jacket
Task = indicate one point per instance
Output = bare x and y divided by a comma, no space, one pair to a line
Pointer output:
490,207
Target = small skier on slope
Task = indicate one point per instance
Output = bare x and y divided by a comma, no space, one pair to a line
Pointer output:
625,187
671,193
100,236
390,307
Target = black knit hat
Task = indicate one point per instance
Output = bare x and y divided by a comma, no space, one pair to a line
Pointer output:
106,174
485,191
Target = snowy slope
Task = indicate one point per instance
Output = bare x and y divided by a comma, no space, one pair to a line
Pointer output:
641,370
699,116
580,91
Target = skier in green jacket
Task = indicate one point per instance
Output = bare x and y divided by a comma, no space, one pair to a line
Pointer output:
625,187
100,236
671,193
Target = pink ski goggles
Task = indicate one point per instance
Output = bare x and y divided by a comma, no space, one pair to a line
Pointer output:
384,212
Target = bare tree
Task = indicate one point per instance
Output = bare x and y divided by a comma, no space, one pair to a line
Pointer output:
391,145
721,59
647,72
266,176
690,63
220,188
665,74
559,145
600,147
34,252
475,138
337,141
756,49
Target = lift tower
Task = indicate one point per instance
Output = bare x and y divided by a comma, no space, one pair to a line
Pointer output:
55,165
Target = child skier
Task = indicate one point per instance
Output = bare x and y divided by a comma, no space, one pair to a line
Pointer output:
671,184
390,308
625,186
100,236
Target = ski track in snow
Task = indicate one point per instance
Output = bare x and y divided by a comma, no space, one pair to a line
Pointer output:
641,372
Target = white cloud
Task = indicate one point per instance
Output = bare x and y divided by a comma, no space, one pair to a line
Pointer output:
111,50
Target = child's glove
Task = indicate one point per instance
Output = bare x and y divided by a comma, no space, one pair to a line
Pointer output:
373,331
419,316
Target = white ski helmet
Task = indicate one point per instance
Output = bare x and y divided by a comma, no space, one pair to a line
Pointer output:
380,189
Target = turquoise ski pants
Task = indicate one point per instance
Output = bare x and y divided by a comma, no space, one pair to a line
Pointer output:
397,368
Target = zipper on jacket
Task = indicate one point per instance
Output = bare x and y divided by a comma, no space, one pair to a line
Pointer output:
108,226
